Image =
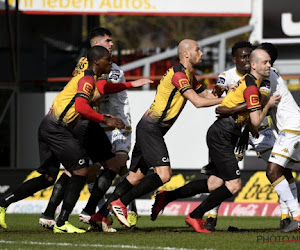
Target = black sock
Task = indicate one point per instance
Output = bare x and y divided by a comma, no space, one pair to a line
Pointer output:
215,198
27,189
57,195
122,188
71,195
188,190
146,185
102,184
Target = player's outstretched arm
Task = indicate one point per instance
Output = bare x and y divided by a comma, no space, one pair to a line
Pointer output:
199,101
141,82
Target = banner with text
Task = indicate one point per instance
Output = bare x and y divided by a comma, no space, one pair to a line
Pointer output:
134,7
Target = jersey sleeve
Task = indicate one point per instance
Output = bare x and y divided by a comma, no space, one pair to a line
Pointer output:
251,95
86,84
265,87
198,87
181,82
221,80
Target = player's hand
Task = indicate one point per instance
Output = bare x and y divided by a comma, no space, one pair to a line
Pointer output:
218,90
140,82
111,121
274,100
242,144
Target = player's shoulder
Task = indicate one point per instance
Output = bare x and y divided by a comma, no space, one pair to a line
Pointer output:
249,80
115,66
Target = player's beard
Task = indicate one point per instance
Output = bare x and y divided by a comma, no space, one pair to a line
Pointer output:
196,65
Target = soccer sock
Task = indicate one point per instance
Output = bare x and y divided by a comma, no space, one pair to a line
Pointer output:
57,195
284,210
283,190
188,190
146,185
122,188
293,188
102,184
27,189
215,198
71,196
213,213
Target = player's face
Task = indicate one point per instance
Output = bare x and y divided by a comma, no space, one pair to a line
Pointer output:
104,65
195,56
106,42
241,60
263,65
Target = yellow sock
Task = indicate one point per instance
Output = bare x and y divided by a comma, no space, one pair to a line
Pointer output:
284,216
212,215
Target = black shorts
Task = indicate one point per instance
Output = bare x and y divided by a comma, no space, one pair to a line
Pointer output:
221,144
71,147
57,144
94,140
150,149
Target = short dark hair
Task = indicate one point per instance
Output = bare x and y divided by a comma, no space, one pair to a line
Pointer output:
240,44
99,32
96,52
270,49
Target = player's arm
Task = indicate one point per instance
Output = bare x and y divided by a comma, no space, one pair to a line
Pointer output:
84,90
251,95
105,87
181,82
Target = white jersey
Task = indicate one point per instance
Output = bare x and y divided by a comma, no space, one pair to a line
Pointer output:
287,113
116,104
229,77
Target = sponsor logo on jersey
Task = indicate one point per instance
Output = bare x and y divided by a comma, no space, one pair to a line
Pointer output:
285,150
221,80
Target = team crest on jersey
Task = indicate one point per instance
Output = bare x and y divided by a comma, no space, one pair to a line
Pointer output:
254,100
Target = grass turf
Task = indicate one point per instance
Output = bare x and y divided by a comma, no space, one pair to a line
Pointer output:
166,233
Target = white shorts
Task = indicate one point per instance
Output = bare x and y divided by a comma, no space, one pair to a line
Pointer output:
264,143
120,140
286,150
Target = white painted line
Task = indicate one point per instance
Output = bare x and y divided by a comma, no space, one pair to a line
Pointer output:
90,245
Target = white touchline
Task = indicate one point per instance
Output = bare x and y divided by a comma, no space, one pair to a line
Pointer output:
90,245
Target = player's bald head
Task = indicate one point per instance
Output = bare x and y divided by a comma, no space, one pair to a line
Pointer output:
185,45
258,54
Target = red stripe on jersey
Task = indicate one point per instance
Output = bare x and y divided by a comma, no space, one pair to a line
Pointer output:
251,96
86,85
180,80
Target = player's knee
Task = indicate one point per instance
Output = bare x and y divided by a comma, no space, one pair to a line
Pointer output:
234,186
273,172
166,177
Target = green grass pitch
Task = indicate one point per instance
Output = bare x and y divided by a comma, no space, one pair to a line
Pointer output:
166,233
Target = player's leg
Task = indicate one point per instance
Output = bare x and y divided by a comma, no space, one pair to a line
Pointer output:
221,151
283,152
49,169
47,218
162,197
